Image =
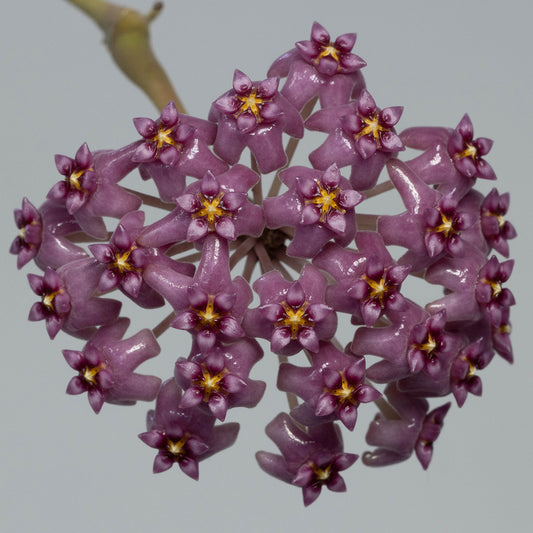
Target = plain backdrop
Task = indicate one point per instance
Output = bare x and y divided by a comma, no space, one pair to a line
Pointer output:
63,469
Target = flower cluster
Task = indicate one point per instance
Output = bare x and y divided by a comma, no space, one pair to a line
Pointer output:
319,255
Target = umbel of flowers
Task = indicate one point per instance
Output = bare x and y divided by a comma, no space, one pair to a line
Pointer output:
319,254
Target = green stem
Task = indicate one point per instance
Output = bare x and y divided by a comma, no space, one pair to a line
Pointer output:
127,36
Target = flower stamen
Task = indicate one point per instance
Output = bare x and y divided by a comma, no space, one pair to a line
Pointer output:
88,374
251,103
294,318
122,263
325,199
379,289
208,317
74,179
469,151
345,393
372,127
176,448
328,51
164,138
48,300
211,209
209,383
321,474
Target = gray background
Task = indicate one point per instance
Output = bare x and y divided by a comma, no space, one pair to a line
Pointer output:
65,469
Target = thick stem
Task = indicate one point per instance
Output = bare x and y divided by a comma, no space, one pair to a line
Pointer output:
127,36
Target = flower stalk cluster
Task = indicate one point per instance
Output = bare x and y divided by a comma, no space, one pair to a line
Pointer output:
318,252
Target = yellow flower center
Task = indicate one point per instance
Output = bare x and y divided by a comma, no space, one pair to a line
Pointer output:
378,289
321,474
345,392
372,127
74,179
208,316
328,51
445,226
89,374
251,103
211,209
294,318
505,329
48,300
163,137
209,382
326,200
496,287
429,346
176,448
122,263
471,370
469,151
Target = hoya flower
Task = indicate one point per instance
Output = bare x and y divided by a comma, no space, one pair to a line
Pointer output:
80,179
501,336
434,225
318,204
489,291
416,430
28,241
293,316
360,135
125,261
368,283
463,375
183,436
175,146
429,344
452,158
42,236
90,187
106,367
496,230
309,459
333,388
67,300
213,205
55,305
391,343
161,136
219,379
475,288
211,305
468,152
320,67
254,115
